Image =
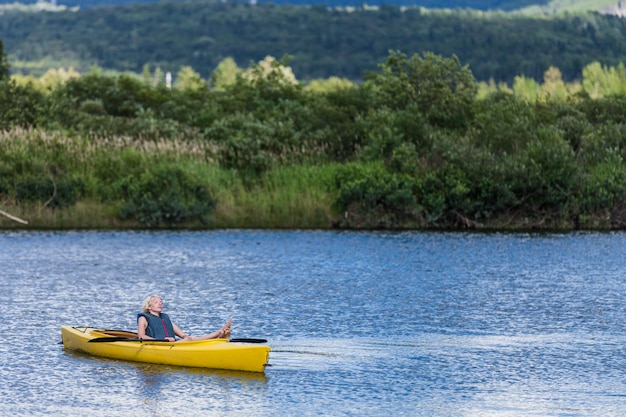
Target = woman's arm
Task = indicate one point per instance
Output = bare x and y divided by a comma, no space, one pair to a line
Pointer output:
179,332
224,332
142,325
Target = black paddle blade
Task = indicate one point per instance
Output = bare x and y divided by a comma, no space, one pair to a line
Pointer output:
243,340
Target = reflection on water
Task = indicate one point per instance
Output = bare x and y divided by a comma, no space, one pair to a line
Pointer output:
416,324
150,371
161,389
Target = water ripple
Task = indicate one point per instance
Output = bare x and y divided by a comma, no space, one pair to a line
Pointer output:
408,324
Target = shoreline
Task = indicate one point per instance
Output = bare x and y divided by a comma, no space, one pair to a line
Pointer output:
103,219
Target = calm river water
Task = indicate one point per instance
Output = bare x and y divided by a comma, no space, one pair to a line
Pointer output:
360,324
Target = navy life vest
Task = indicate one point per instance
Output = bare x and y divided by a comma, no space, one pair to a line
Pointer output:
159,327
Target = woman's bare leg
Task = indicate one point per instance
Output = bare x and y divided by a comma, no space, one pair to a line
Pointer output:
224,332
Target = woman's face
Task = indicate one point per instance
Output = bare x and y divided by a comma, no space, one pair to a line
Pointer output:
156,304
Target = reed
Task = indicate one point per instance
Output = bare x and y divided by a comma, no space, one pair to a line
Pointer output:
302,203
294,196
285,197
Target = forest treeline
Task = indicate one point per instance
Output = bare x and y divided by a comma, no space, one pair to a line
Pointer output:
439,4
322,42
417,145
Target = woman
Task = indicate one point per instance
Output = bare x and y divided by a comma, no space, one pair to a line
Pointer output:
152,323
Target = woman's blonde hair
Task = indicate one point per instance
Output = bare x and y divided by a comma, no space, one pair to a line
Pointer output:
146,303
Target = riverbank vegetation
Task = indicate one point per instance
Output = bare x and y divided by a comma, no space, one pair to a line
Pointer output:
418,145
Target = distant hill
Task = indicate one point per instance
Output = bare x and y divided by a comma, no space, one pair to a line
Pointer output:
322,42
541,7
505,5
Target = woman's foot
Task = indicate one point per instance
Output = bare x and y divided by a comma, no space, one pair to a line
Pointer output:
225,331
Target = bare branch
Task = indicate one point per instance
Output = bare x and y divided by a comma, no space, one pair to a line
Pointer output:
17,219
54,194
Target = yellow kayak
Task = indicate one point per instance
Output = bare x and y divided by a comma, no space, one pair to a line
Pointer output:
213,353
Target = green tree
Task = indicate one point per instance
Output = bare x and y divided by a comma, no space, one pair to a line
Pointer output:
21,105
4,63
553,87
158,77
443,89
189,80
271,69
602,81
53,78
504,124
224,75
329,84
145,74
526,89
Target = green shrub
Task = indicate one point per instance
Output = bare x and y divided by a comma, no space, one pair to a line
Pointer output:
56,192
19,106
604,185
337,113
113,169
602,141
504,124
5,189
604,110
371,197
573,127
386,130
166,196
94,107
550,174
443,90
246,144
443,196
404,159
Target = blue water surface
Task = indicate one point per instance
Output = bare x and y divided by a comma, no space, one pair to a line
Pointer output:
360,323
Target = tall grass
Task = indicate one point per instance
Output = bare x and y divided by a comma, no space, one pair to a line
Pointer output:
284,197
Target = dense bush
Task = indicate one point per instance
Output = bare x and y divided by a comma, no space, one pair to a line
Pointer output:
443,90
54,193
19,106
371,197
166,196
